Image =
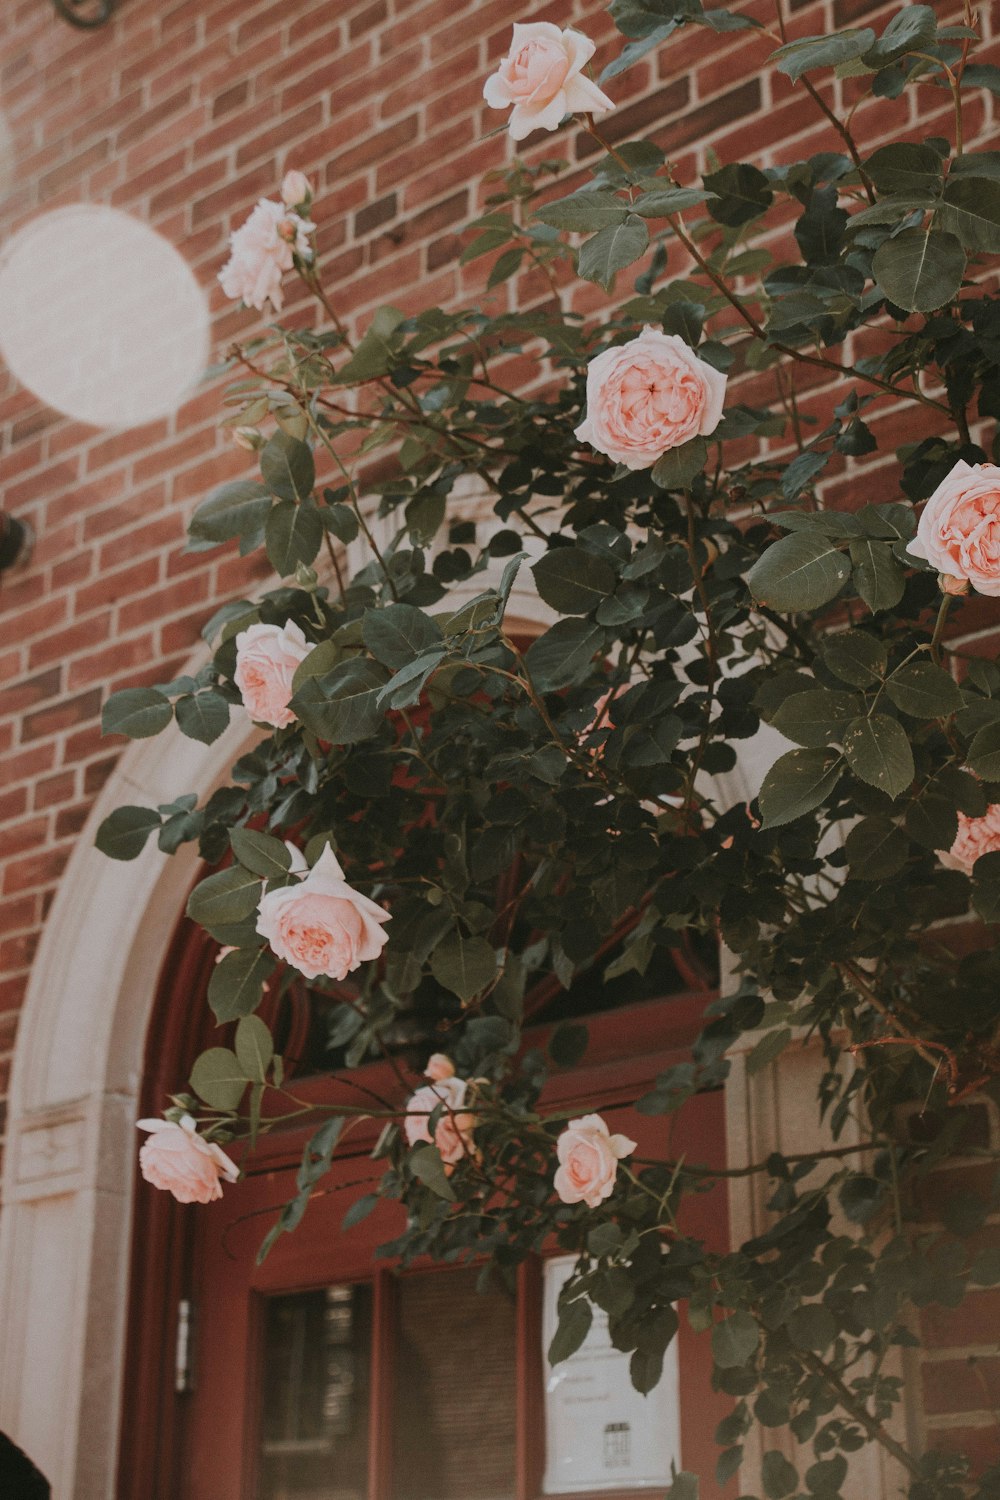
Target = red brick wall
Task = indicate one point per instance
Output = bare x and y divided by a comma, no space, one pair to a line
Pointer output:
183,112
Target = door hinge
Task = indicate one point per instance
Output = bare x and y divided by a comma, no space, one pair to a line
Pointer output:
183,1349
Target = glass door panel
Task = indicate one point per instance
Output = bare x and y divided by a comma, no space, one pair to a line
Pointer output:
316,1377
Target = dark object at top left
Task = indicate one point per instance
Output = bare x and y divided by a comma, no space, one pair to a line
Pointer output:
87,14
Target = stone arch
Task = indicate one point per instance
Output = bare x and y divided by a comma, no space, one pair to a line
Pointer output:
65,1223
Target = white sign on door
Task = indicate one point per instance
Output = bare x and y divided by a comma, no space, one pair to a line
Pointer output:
600,1433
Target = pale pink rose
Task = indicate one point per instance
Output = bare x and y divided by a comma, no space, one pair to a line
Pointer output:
453,1132
975,836
588,1161
439,1066
959,529
178,1159
949,584
648,396
322,925
261,251
267,657
295,189
542,77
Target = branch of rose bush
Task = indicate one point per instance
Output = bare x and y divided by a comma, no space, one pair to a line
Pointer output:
902,1035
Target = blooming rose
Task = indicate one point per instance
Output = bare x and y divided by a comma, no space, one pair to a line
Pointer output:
959,530
975,836
453,1132
439,1066
267,657
295,189
647,396
542,77
588,1161
261,251
177,1158
322,925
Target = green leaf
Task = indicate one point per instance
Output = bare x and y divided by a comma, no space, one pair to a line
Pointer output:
225,897
260,852
919,269
254,1047
741,193
218,1078
564,654
855,657
816,717
906,168
287,467
779,1477
398,633
202,716
631,54
343,706
878,576
645,1368
912,29
877,750
237,982
734,1341
770,1046
801,571
573,581
236,509
427,1166
575,1319
293,535
464,965
124,832
876,849
584,211
675,469
971,212
797,783
811,52
924,691
662,203
377,352
359,1209
932,821
612,249
137,712
984,753
812,1326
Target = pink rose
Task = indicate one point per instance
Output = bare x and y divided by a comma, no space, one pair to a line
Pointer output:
177,1158
453,1132
267,657
322,925
439,1066
648,396
975,836
542,77
295,189
588,1161
959,530
261,251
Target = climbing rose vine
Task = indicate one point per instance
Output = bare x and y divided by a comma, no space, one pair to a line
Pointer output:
435,819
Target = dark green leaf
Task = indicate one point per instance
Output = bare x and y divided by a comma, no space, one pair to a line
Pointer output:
137,712
293,534
971,212
202,716
877,750
124,832
816,717
612,249
876,849
343,706
237,982
254,1047
575,1319
398,633
878,576
912,29
742,193
564,654
919,269
984,753
464,965
734,1341
426,1165
812,1326
573,581
236,509
924,691
225,897
675,469
260,852
811,52
855,657
797,783
801,571
584,211
780,1478
287,468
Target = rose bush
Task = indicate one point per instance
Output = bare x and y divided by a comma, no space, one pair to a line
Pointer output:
534,815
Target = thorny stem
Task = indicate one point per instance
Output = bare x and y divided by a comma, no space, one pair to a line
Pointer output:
857,1409
939,624
901,1032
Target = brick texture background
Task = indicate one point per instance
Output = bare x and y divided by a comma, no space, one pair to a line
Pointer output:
184,112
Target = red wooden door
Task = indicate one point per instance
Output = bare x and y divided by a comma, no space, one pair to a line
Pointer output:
322,1374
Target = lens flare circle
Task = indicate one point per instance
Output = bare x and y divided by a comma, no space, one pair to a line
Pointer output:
101,317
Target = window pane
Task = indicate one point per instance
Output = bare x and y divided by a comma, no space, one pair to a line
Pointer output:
455,1380
314,1425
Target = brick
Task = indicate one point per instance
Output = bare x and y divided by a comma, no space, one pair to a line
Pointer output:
62,715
